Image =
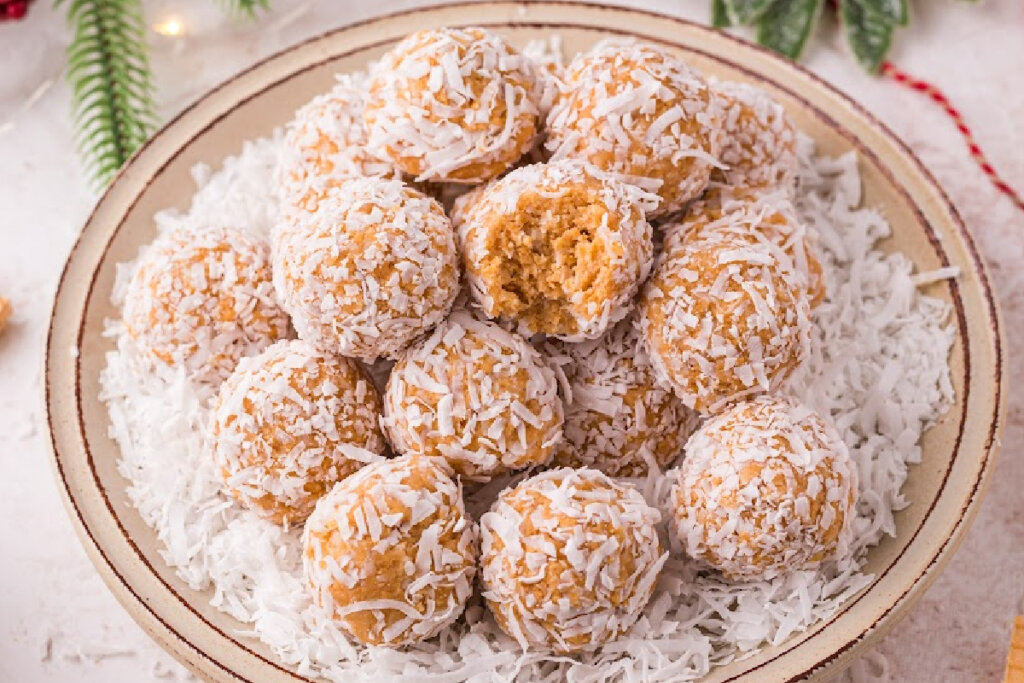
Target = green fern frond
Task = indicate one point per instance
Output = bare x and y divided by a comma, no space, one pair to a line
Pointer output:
245,8
111,84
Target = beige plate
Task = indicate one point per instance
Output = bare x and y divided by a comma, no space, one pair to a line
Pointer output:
945,489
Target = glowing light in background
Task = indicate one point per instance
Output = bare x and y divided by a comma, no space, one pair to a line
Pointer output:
171,26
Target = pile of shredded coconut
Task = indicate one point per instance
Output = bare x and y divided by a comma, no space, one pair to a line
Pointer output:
878,368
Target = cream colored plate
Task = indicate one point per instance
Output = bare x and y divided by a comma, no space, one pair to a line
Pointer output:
945,489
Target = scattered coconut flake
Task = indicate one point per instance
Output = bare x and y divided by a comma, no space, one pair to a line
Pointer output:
937,275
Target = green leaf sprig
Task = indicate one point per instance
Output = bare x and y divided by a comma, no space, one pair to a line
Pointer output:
786,25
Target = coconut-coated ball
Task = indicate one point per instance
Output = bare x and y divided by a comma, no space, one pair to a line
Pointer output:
618,418
569,559
390,553
759,147
453,105
638,110
767,487
201,299
724,319
557,248
371,270
291,422
477,395
325,144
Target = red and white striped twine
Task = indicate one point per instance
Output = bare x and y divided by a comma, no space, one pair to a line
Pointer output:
936,95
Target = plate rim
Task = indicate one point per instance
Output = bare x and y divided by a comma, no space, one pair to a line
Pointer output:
939,555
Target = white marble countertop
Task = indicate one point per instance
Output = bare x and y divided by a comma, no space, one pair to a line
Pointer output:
57,620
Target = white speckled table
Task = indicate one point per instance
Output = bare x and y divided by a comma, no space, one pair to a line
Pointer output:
59,623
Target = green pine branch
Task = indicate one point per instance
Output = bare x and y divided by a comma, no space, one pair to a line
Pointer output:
111,84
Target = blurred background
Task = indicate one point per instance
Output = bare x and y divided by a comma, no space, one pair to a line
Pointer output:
57,620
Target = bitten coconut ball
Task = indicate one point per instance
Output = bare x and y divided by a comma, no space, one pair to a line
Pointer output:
559,248
724,319
453,105
638,110
325,144
201,299
767,218
760,140
569,559
618,419
766,488
481,397
371,270
390,552
290,423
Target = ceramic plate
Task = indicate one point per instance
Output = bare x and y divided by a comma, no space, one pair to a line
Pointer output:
945,489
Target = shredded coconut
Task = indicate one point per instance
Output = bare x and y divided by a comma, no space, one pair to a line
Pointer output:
878,369
548,57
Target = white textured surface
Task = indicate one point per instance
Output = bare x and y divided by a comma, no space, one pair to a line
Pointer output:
58,622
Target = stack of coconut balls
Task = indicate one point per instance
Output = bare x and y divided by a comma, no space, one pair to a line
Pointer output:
584,349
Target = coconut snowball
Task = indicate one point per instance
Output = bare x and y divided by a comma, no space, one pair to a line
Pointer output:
201,300
559,248
372,269
724,319
759,145
569,559
766,488
390,554
325,144
452,104
762,217
640,111
618,418
479,396
290,423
